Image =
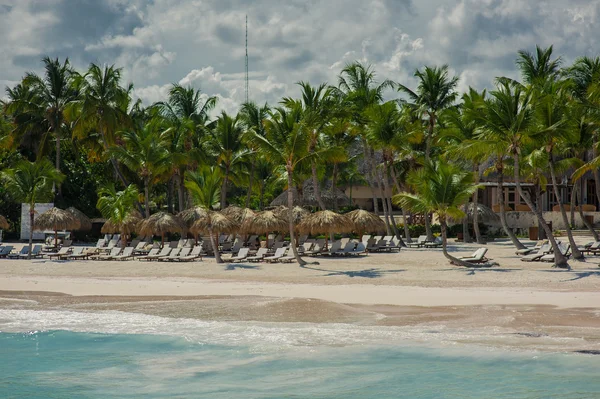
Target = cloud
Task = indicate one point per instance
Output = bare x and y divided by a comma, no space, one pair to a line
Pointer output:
201,43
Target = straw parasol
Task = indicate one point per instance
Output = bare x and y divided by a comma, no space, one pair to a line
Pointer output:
325,222
298,213
85,224
265,222
214,222
126,227
365,221
160,224
3,223
55,219
240,215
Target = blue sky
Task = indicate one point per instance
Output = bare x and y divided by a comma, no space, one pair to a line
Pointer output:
201,42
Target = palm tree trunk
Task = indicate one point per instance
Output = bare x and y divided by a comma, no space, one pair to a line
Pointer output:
429,137
596,171
262,195
500,171
147,196
466,235
370,175
452,259
478,236
113,161
224,189
290,196
572,209
559,259
181,189
388,196
582,216
384,203
31,222
576,252
250,182
404,218
57,186
316,188
215,245
333,186
170,192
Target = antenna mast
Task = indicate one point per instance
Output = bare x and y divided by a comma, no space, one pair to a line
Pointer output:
246,59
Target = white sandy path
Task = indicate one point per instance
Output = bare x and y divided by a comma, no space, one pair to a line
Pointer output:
365,294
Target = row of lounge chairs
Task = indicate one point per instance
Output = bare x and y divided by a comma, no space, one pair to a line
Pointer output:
543,252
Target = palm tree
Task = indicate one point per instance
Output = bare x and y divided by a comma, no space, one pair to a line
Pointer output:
227,147
318,106
435,92
442,189
56,91
145,154
286,144
253,119
31,183
102,108
358,90
25,110
508,119
204,186
187,114
556,127
118,207
536,69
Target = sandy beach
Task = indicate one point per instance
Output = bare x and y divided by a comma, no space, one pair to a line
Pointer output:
511,304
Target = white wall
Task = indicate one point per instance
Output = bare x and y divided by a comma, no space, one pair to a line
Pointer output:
39,209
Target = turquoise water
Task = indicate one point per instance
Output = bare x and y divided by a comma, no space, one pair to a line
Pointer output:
64,364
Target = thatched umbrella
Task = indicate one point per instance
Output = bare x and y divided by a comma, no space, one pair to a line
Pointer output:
298,213
159,224
325,222
214,222
85,224
190,215
265,222
365,221
3,223
55,219
125,228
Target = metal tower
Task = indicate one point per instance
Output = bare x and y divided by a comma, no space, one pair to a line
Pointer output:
246,59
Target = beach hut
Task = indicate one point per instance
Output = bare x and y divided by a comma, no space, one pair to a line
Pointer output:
160,224
56,219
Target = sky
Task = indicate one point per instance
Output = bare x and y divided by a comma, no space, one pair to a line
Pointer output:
200,43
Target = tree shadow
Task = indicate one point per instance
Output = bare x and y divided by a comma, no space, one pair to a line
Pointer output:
366,273
472,271
580,275
234,266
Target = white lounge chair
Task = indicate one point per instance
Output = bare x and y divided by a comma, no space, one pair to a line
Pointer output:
279,253
477,256
127,254
241,255
193,255
419,243
260,254
544,249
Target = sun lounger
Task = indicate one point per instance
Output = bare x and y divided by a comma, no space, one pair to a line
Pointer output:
477,256
5,251
304,248
419,243
183,252
193,255
564,250
593,249
113,253
317,248
241,255
64,251
365,238
83,254
127,254
348,248
260,254
527,251
111,244
287,258
155,253
172,253
544,249
360,249
24,251
434,244
279,253
333,248
378,246
36,252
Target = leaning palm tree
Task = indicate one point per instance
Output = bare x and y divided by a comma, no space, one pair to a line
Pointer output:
508,120
31,183
55,91
442,189
119,208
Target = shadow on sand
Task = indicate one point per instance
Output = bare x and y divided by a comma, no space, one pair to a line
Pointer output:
234,266
366,273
